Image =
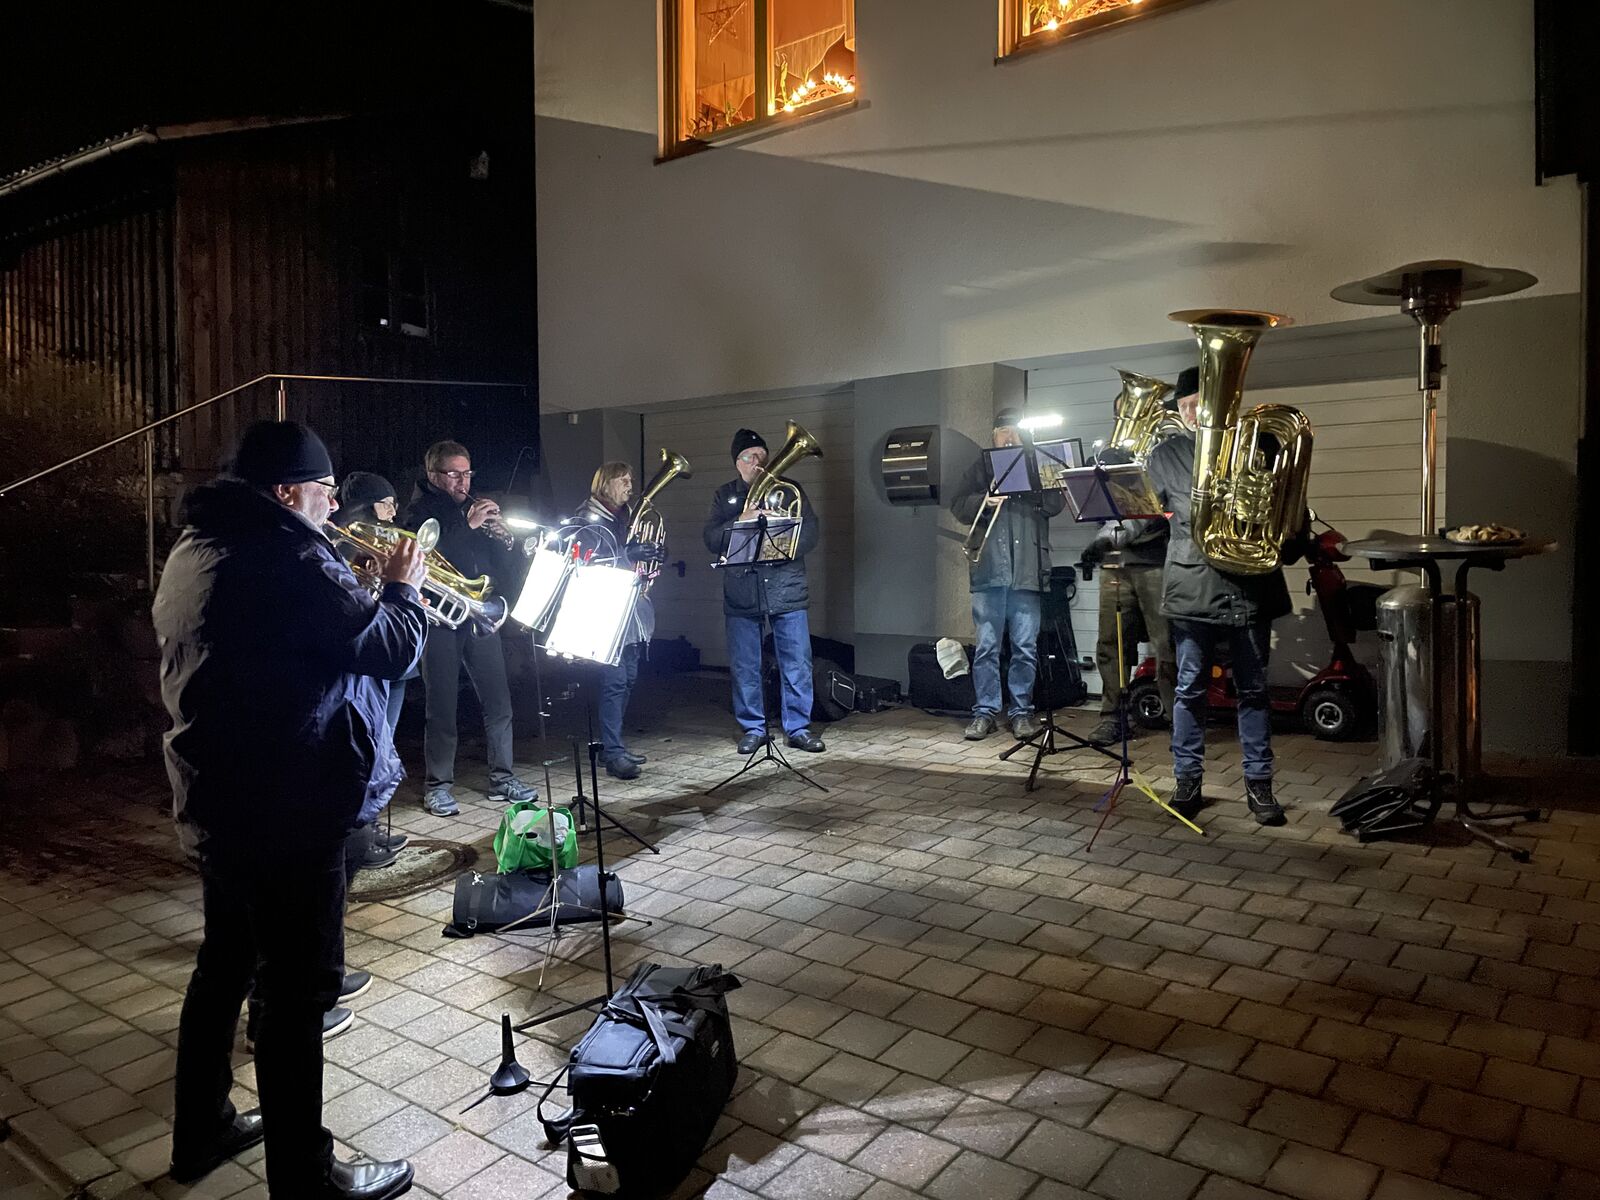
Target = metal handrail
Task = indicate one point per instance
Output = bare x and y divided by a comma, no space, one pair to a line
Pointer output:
147,432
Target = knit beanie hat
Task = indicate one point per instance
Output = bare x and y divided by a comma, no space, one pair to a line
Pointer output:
1188,383
744,439
280,452
361,489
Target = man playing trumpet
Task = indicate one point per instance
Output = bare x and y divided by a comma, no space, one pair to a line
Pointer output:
475,540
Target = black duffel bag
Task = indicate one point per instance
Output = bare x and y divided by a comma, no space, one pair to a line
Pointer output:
648,1082
487,903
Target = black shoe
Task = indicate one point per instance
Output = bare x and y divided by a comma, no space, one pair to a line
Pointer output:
1025,726
1263,806
641,759
241,1135
355,982
1186,798
377,857
804,739
1105,731
391,841
335,1021
620,766
752,741
368,1180
981,727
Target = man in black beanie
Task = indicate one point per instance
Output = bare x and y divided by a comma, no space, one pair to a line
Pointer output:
273,662
774,592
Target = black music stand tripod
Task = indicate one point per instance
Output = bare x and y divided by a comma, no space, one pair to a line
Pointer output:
1044,742
580,801
745,545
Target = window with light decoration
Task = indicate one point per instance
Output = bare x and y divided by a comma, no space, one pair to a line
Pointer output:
1026,24
733,63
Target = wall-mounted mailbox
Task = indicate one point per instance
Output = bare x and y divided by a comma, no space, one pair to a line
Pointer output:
911,465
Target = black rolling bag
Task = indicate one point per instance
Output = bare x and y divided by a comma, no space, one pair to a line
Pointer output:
487,903
647,1082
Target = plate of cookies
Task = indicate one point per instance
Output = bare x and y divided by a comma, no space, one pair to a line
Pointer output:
1491,534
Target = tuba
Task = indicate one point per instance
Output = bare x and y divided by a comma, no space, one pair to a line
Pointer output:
451,599
1142,418
772,494
1251,470
648,525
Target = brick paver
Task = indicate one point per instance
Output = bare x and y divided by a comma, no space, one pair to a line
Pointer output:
946,993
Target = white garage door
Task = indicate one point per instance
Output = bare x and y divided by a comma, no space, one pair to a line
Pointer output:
691,607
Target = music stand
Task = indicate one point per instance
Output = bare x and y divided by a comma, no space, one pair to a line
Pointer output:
1044,742
746,544
1118,493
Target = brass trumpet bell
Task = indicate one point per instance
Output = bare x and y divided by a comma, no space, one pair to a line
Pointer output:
452,600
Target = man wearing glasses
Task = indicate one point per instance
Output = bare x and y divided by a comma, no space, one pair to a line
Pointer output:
273,662
772,591
473,538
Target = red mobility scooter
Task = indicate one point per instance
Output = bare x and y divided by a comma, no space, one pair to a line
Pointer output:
1339,702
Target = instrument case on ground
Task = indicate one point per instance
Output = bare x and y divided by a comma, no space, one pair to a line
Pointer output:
648,1082
873,692
931,691
488,903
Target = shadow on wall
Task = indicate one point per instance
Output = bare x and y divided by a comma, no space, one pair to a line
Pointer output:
871,277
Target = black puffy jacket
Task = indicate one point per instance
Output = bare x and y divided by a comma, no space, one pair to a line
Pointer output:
1191,588
473,552
275,665
770,588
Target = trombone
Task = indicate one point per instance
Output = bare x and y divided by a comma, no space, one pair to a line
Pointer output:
973,546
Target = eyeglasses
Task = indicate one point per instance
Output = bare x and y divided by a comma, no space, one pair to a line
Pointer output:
455,476
328,485
753,459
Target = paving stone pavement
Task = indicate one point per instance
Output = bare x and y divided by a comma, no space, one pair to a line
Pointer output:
946,994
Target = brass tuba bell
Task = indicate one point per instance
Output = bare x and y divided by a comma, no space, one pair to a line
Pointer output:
771,494
1142,418
1250,471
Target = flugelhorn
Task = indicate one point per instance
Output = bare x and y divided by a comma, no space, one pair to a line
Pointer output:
452,600
648,524
1250,471
769,494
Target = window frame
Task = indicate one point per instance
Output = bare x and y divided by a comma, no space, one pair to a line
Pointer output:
1012,45
669,62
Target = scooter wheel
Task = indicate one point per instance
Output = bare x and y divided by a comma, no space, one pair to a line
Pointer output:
1144,702
1330,714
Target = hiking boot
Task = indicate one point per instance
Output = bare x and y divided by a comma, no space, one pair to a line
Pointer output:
514,791
1106,730
1025,726
441,802
1186,798
620,766
1264,807
982,726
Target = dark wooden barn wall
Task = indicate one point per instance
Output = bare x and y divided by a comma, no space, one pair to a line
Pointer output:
98,289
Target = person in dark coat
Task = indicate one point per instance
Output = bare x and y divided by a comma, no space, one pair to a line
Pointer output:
274,662
1206,608
473,538
774,592
602,523
1007,583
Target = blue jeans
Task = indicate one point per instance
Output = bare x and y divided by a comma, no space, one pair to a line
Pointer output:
791,639
1196,643
616,685
996,611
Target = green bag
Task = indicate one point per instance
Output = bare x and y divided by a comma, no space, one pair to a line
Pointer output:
517,843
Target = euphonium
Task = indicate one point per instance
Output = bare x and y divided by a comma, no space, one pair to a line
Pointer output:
452,600
771,494
1142,418
648,525
1250,471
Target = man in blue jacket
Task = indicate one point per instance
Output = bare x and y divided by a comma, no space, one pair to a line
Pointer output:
275,670
772,591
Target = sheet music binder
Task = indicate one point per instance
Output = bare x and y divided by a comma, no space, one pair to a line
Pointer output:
1111,493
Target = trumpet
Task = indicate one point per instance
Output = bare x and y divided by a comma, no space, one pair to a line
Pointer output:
494,523
450,598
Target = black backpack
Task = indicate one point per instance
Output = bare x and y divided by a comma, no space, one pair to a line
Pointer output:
648,1082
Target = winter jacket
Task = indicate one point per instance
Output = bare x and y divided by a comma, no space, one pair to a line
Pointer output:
473,552
600,532
1192,589
1011,556
275,665
767,588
